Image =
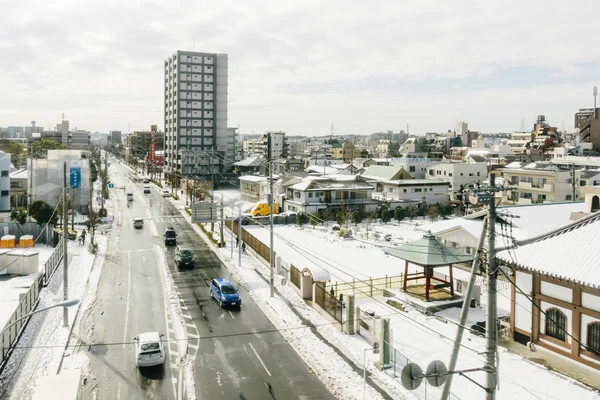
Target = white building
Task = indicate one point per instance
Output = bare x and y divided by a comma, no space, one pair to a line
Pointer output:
461,128
541,182
48,178
196,113
428,191
4,181
461,175
416,167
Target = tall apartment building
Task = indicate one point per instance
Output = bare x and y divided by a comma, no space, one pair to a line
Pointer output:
196,113
115,137
138,142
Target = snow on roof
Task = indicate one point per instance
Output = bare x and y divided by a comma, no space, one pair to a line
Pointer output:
332,182
19,174
322,170
249,162
429,251
381,172
589,173
252,178
571,252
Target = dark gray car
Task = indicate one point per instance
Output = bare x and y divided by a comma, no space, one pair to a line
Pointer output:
184,257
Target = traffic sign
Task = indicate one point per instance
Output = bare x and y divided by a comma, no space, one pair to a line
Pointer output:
75,174
111,185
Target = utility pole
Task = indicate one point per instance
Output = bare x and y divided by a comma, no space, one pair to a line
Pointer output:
64,239
491,331
212,180
222,222
239,235
91,190
573,181
30,181
270,151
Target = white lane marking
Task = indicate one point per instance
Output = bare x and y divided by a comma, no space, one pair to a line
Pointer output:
230,314
119,392
128,299
143,258
259,359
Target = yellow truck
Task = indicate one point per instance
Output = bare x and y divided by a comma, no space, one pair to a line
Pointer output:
261,209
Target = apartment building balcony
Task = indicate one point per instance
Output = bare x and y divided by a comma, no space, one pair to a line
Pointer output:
546,188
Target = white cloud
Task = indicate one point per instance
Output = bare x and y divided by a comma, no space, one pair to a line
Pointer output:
291,63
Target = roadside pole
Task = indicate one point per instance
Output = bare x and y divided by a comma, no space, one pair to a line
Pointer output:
222,242
271,275
65,252
240,236
491,331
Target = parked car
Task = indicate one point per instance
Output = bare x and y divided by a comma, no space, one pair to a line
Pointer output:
146,180
166,192
146,188
149,350
170,236
129,196
184,257
225,293
138,223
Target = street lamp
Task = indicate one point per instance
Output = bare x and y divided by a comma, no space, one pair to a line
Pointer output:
66,303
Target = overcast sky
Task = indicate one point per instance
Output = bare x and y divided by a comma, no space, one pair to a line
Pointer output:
303,65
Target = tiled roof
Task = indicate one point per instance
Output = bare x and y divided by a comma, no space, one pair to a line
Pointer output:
19,174
589,173
250,162
346,182
429,251
571,252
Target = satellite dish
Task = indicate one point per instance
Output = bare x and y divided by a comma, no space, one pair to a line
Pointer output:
436,373
411,376
283,282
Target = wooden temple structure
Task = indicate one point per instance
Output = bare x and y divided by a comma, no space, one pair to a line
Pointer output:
429,253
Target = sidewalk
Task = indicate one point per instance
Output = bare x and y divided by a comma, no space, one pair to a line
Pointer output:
41,349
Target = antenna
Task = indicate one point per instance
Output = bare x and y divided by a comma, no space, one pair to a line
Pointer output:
62,116
595,96
523,124
194,42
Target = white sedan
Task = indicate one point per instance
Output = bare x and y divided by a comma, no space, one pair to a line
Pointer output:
149,350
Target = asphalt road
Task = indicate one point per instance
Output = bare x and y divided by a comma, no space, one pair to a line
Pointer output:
238,354
129,301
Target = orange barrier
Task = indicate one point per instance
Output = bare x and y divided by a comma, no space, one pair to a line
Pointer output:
26,241
8,242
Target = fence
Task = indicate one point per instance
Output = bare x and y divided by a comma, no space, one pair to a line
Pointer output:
260,248
425,391
368,287
328,302
27,303
53,262
367,327
28,228
295,276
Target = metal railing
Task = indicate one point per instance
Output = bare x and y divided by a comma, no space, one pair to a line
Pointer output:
53,262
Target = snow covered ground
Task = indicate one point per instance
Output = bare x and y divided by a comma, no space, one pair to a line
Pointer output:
418,337
11,287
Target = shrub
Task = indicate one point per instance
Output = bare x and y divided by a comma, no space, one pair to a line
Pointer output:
156,183
385,216
399,214
176,197
301,219
103,212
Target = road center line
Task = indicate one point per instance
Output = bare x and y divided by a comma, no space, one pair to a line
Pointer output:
128,298
259,359
230,314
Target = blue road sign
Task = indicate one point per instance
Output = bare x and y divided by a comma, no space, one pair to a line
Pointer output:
75,174
111,185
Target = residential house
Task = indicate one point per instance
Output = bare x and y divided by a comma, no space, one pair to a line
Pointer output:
289,164
345,169
314,194
251,165
324,171
250,188
555,301
321,160
375,174
461,175
416,166
541,182
386,148
590,177
346,151
18,188
367,162
420,191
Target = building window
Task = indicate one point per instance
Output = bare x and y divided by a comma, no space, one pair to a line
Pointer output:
568,197
4,174
411,168
556,323
5,193
593,338
310,195
403,190
418,190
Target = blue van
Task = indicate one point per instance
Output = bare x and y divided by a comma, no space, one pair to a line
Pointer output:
225,293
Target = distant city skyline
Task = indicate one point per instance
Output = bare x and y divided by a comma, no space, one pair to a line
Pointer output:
300,67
